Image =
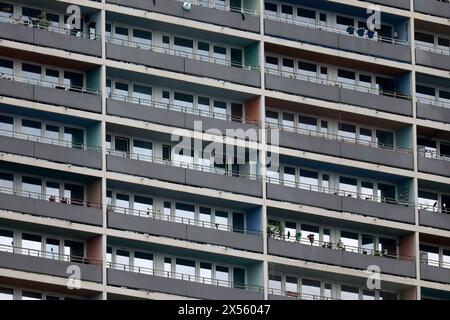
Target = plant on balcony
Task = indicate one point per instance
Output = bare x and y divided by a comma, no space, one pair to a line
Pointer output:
361,32
41,21
351,29
275,230
298,236
370,34
311,238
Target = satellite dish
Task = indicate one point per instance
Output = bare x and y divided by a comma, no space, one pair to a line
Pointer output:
187,6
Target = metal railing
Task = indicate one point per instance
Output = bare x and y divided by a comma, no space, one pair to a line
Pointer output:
432,262
335,83
179,108
434,208
336,191
342,247
434,155
49,197
47,140
433,48
182,276
181,53
181,164
332,136
434,101
48,84
213,5
48,255
52,28
298,295
319,26
156,214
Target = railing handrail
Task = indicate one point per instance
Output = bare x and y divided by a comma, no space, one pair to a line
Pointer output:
59,29
435,263
433,48
48,254
340,246
336,191
49,197
179,108
52,141
51,84
434,101
176,52
336,83
434,208
333,136
156,214
319,26
434,154
181,164
224,7
181,276
298,295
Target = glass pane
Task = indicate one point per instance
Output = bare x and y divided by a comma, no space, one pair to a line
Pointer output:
143,262
310,289
222,276
184,212
32,129
32,187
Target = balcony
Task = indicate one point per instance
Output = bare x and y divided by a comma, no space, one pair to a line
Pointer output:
278,294
336,38
431,162
236,18
173,115
401,4
434,271
335,91
155,223
180,284
49,263
51,93
433,109
432,56
51,206
340,255
184,173
432,7
343,147
54,150
434,216
19,30
181,61
340,200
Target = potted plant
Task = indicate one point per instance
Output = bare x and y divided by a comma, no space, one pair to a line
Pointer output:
41,21
298,236
351,29
361,32
311,238
370,34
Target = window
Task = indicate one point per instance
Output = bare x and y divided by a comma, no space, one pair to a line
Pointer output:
122,201
368,244
221,219
121,35
32,72
6,12
6,68
368,295
51,77
289,176
142,150
367,190
6,293
343,22
306,16
287,67
290,230
203,105
28,295
365,136
349,293
220,109
272,64
385,139
51,134
308,71
74,250
220,55
143,262
347,131
143,204
312,233
386,193
74,193
347,79
32,129
222,276
205,272
428,201
272,118
123,260
52,191
205,216
6,183
291,286
142,38
349,241
52,248
348,186
6,126
73,80
387,246
185,269
274,284
307,123
31,244
288,121
142,94
184,102
309,180
270,9
184,47
74,136
387,296
310,289
287,12
6,240
32,187
185,212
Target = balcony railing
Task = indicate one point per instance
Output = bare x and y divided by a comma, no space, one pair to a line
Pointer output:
180,53
47,140
34,23
431,154
434,208
181,164
433,48
183,276
432,262
156,214
47,84
337,137
318,26
434,101
48,255
338,192
179,108
214,5
298,295
342,247
50,197
335,83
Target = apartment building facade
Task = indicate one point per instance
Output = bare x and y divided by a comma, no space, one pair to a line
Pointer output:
339,187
